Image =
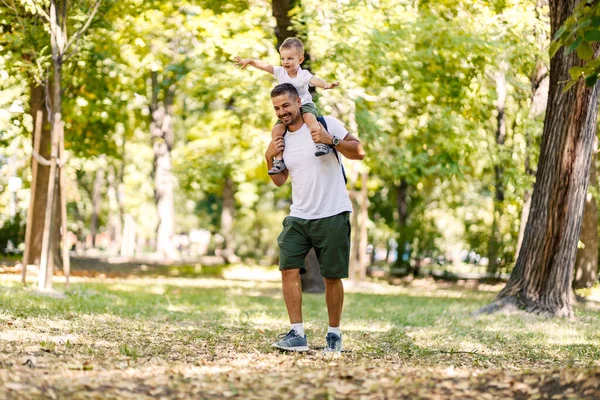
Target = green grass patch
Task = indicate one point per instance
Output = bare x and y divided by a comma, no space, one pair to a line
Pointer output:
119,324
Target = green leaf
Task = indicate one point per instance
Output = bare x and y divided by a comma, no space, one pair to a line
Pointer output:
585,51
570,84
575,72
592,36
554,47
591,80
574,45
595,21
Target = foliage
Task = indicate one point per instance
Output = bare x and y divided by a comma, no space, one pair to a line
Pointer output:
12,230
580,33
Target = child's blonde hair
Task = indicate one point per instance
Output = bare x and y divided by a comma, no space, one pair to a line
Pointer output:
293,43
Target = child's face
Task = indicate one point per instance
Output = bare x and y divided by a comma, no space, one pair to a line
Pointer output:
291,59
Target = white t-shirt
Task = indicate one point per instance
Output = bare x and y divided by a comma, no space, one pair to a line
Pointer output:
318,187
300,82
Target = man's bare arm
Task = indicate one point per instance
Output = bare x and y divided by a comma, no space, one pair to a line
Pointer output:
275,147
350,146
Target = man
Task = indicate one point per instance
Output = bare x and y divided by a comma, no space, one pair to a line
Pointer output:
319,215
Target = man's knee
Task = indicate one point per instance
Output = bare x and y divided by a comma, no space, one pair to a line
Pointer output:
290,273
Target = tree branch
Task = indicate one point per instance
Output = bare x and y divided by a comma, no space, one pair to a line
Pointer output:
41,11
84,28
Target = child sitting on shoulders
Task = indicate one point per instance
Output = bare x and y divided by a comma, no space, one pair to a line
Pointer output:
292,55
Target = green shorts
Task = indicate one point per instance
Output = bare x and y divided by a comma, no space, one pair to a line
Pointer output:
308,108
329,236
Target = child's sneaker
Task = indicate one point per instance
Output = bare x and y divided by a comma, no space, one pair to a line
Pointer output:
322,149
278,167
292,342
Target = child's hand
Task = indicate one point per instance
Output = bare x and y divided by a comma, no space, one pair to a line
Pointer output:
331,85
242,62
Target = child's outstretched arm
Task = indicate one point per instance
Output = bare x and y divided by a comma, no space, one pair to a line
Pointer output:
318,82
244,62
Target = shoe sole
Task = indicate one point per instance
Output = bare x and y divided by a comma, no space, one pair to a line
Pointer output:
297,348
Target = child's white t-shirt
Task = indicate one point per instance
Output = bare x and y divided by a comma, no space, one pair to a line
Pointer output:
300,82
318,187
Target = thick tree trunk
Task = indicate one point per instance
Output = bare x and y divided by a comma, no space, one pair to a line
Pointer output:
34,247
541,279
586,266
495,237
227,215
161,129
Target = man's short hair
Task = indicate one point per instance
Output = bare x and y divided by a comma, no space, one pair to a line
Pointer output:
285,88
293,43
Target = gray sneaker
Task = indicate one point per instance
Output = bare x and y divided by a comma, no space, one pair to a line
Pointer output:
292,342
322,149
278,167
334,342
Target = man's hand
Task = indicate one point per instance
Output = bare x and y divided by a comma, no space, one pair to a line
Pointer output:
321,136
275,147
242,62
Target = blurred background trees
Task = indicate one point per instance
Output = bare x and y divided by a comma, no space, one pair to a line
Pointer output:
165,138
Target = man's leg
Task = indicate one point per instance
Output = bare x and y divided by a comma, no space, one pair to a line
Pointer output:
292,294
334,297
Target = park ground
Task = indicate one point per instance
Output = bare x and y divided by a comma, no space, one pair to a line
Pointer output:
182,333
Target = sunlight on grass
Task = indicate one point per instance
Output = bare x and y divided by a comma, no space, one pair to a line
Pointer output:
168,320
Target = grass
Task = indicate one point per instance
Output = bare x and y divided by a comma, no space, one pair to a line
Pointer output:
216,334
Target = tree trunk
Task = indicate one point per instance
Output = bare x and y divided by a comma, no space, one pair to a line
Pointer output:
402,206
34,247
541,279
312,281
227,220
540,82
363,242
115,225
161,128
495,237
586,265
97,201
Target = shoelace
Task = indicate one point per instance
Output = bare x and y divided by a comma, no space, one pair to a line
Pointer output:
292,333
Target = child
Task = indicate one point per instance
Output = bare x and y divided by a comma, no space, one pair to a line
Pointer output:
292,55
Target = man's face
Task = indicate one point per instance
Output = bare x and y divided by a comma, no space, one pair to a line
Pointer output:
286,108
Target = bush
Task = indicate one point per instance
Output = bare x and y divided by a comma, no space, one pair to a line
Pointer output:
12,230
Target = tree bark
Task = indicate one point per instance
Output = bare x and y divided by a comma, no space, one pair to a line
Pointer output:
115,223
541,279
34,247
495,237
97,202
227,215
586,265
540,82
161,129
